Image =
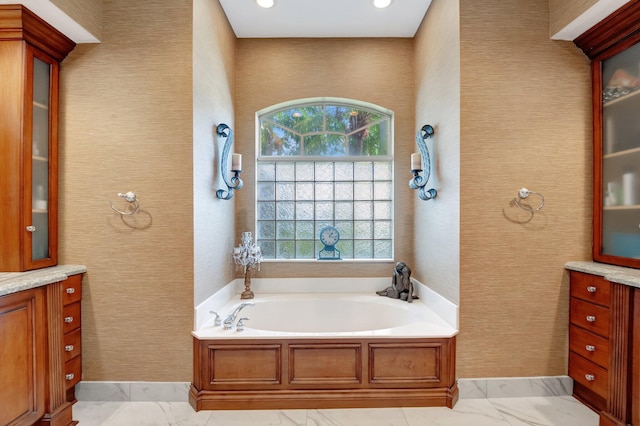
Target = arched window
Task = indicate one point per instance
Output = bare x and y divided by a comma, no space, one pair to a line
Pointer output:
325,162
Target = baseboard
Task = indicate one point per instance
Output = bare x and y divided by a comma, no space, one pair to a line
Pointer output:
133,391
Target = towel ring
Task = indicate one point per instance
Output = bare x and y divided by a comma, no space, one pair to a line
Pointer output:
524,193
130,197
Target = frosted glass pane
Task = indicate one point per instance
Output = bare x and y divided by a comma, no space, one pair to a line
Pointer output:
304,171
268,249
382,249
324,191
266,211
344,211
382,230
382,210
266,191
304,211
382,171
345,247
324,211
304,191
363,249
304,231
285,230
40,238
285,171
284,210
345,229
285,249
41,74
266,171
344,171
382,190
266,230
324,172
305,249
344,191
363,230
363,210
363,191
284,191
363,171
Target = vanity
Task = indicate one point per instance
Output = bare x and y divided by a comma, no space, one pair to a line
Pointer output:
40,345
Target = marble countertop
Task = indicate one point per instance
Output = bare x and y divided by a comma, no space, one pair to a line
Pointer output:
12,282
613,273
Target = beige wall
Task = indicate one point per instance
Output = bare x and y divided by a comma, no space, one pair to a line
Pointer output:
380,71
563,12
87,13
127,124
437,222
525,121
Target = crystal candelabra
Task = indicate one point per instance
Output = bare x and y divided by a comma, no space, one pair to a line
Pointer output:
248,255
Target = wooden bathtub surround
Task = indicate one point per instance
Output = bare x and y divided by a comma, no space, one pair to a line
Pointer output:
323,373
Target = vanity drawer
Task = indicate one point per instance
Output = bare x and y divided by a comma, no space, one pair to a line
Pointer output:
71,317
72,345
589,345
72,289
591,288
72,372
588,374
589,316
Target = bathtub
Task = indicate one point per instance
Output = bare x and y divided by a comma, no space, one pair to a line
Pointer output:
325,350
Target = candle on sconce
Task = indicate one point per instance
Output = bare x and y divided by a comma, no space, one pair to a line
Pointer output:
236,162
416,161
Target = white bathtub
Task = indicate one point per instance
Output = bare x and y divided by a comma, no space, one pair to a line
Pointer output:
329,315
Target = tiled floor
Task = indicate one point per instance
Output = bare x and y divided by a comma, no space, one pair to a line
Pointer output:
536,411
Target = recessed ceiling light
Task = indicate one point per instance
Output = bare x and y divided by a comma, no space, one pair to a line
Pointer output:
380,4
265,3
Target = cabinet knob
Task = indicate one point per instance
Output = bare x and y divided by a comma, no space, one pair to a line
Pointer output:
68,319
31,228
68,348
592,289
591,318
590,377
590,348
70,290
69,376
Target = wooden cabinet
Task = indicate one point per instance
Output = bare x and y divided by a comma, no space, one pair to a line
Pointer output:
30,53
71,314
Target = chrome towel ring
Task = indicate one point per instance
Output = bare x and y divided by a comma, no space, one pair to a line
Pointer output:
133,207
524,193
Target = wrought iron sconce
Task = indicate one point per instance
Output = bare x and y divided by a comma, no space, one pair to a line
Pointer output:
418,160
236,164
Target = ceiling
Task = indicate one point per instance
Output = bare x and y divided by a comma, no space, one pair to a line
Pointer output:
324,18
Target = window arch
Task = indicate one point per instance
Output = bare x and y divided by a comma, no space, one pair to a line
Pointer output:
325,162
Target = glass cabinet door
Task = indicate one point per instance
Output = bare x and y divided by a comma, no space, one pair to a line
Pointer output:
620,160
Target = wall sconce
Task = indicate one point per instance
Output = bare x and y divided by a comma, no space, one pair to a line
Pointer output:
417,160
236,164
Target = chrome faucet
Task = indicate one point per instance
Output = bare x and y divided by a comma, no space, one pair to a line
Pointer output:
228,322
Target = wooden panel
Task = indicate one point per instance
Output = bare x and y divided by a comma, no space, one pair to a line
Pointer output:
72,289
244,364
579,368
581,312
589,346
71,317
322,364
406,363
619,396
72,344
72,372
635,359
591,288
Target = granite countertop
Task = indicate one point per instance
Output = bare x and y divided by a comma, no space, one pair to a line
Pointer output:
613,273
12,282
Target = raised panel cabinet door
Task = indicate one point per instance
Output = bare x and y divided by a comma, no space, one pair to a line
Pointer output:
22,366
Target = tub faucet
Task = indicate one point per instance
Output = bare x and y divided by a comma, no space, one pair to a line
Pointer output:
228,322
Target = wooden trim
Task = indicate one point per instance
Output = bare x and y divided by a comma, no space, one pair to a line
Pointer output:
635,358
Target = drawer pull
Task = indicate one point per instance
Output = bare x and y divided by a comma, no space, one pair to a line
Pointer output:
592,289
31,228
590,348
68,319
69,348
590,377
591,318
69,376
71,290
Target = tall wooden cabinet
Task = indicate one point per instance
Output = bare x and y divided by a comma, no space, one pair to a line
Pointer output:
30,53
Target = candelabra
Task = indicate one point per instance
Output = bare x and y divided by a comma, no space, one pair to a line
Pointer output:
248,255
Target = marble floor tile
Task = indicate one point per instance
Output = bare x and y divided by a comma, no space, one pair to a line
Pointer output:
357,417
476,412
153,414
258,418
96,413
545,411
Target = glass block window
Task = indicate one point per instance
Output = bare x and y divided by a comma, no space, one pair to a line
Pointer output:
320,164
